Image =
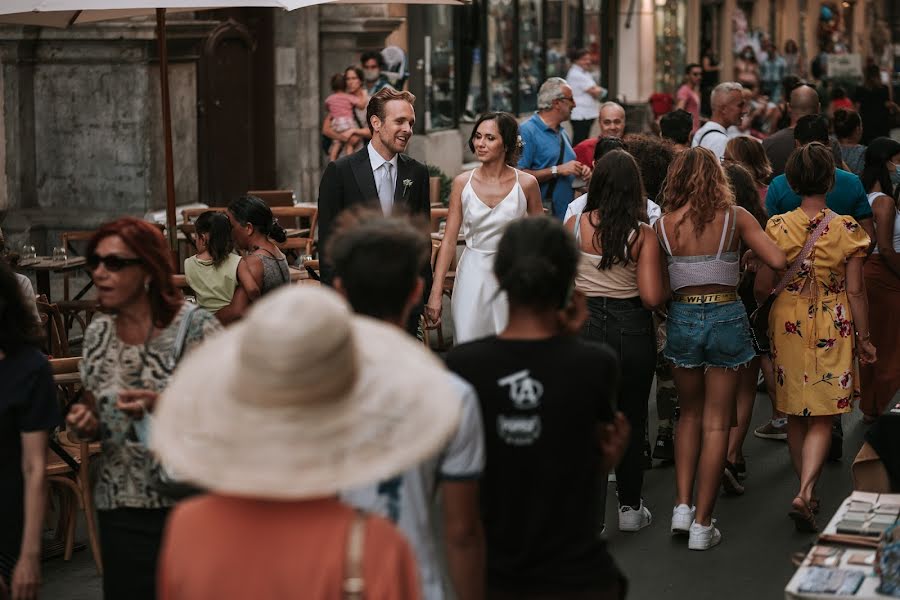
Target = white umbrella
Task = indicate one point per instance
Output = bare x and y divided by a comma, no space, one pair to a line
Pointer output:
65,13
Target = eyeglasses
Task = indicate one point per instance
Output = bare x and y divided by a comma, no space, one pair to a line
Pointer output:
112,262
567,99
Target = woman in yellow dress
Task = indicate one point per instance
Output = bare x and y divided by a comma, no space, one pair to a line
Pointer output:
814,320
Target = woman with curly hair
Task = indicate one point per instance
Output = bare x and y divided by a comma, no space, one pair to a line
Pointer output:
708,336
620,273
818,310
483,202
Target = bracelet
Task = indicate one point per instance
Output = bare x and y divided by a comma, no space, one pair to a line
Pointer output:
864,338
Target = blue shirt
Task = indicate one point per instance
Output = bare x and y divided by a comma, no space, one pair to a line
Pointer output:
541,151
847,197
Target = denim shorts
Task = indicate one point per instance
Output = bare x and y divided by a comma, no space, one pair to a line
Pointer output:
708,335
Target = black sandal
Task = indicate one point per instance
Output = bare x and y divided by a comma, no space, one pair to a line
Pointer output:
803,517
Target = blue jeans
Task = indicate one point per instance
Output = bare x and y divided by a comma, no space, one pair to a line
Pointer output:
627,327
708,335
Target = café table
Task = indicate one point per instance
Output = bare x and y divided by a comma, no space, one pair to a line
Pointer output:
297,274
43,266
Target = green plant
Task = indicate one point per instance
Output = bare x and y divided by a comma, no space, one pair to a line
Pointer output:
446,182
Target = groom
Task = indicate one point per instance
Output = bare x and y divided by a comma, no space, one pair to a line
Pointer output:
379,174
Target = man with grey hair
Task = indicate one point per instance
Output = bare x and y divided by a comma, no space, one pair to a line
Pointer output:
548,153
612,124
728,107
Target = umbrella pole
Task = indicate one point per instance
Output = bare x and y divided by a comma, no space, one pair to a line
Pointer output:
167,128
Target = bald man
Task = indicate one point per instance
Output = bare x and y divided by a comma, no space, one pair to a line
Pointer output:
612,124
804,101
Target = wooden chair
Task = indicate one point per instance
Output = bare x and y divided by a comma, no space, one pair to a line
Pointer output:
438,215
80,312
68,465
298,217
56,340
189,215
274,197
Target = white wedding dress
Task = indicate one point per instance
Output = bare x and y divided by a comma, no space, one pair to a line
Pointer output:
479,308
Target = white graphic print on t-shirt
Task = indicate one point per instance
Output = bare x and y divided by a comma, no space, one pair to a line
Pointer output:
525,393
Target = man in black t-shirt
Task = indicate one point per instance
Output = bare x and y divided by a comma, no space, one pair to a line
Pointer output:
542,402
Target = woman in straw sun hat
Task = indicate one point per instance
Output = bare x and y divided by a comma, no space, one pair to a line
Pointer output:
302,409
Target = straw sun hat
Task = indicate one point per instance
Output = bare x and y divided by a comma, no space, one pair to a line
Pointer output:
303,399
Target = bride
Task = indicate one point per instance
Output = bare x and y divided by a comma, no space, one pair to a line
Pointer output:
482,201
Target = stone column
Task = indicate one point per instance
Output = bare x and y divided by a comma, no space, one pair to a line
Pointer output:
297,99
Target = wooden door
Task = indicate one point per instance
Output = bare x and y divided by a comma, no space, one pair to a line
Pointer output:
225,112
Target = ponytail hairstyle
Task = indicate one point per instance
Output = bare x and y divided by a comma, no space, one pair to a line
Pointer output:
536,262
878,153
217,228
252,210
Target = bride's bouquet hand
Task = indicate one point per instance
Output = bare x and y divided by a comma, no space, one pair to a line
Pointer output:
433,311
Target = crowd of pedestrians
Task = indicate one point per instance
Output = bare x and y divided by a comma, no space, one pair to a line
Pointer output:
307,428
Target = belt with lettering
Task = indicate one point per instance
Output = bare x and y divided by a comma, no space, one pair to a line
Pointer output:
706,298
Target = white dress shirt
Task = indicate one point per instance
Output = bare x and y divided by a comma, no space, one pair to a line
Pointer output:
376,160
586,106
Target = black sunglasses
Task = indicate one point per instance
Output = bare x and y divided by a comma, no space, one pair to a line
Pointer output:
112,262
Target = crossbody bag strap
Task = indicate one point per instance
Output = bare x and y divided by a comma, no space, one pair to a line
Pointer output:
181,336
354,583
804,254
562,151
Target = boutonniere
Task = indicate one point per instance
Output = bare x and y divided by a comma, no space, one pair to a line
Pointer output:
407,183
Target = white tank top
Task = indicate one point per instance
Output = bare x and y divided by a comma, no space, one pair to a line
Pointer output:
896,236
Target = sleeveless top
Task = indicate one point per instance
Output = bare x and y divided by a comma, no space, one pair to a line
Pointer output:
896,234
618,281
483,225
213,285
275,272
722,269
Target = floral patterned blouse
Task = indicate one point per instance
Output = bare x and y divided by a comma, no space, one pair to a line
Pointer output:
812,334
125,469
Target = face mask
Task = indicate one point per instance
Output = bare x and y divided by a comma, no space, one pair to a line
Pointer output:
371,74
747,55
895,175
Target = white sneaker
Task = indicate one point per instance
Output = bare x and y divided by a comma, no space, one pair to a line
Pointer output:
631,519
682,517
703,538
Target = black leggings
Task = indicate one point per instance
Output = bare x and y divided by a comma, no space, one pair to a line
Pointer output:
130,540
628,328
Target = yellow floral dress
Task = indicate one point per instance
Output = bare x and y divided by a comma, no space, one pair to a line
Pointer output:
812,337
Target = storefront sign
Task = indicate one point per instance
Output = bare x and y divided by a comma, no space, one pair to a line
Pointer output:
844,65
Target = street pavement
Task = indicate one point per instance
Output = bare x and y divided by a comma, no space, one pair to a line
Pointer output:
752,562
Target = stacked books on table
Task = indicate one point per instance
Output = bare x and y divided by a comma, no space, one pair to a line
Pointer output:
863,519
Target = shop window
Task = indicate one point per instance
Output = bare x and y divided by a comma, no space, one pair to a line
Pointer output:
670,22
591,33
501,57
563,34
440,68
530,55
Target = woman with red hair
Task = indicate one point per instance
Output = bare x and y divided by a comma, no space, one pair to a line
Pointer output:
130,351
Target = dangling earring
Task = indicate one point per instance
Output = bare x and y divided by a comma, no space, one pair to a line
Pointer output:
146,286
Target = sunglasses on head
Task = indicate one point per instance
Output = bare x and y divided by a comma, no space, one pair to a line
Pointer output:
112,262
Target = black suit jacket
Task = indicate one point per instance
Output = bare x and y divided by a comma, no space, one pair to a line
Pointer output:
349,181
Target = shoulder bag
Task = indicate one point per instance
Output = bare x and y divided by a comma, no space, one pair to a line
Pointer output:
759,319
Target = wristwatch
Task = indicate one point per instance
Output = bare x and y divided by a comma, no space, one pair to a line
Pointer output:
554,170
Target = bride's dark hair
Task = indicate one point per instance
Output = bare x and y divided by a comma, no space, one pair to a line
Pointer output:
509,133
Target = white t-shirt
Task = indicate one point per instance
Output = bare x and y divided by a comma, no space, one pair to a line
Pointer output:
586,106
408,500
712,136
896,236
577,206
28,294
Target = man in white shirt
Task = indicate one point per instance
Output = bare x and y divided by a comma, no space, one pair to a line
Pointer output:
586,93
728,107
376,265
